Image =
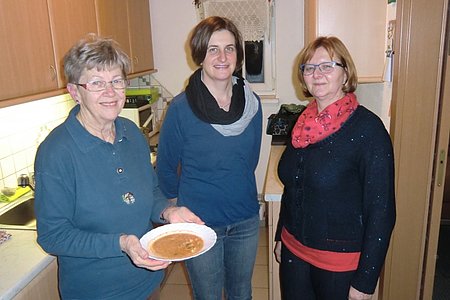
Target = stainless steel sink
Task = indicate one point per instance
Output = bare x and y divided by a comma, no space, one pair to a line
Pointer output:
19,216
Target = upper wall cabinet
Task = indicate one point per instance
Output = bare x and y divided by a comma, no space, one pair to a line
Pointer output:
361,25
128,22
140,35
35,35
70,21
26,62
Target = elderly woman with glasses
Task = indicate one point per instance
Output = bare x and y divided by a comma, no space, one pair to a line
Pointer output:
338,208
96,190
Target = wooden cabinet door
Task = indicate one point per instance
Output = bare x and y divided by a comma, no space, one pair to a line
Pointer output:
360,25
26,62
112,18
43,287
140,35
70,20
128,22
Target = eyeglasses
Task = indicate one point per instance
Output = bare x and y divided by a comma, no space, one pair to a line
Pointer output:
325,67
100,85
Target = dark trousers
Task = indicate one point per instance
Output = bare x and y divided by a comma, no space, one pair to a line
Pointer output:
300,280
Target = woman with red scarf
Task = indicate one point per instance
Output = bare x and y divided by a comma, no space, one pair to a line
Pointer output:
338,205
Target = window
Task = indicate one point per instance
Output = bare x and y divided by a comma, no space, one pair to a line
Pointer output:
255,20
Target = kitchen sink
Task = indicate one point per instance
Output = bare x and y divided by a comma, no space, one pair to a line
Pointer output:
20,215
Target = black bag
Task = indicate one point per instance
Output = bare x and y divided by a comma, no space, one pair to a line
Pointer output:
281,123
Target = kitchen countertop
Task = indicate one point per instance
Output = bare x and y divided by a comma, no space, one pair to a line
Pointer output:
21,260
273,188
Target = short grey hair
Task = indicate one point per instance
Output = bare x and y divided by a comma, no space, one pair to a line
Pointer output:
94,52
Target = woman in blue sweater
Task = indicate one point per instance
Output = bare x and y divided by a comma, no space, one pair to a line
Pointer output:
337,209
96,190
208,151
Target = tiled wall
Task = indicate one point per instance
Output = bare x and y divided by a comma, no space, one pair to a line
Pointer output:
22,128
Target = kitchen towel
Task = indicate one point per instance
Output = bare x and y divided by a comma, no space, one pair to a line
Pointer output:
20,191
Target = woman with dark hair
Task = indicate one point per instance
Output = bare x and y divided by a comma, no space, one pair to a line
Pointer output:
208,151
337,208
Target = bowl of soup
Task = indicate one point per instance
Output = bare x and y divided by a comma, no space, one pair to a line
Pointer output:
178,241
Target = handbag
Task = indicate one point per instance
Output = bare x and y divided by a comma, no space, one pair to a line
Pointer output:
281,123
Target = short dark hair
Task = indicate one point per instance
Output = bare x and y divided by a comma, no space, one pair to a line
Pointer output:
337,50
94,52
201,34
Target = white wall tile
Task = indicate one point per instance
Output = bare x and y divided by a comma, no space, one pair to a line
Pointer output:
22,128
20,161
5,148
7,165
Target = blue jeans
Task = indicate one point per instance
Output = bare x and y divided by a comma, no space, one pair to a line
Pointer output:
228,264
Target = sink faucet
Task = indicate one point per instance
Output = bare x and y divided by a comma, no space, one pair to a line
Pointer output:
24,181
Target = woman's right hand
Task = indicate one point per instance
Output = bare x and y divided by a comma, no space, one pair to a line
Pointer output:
132,247
277,251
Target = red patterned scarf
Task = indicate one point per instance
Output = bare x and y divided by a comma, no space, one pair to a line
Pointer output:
312,126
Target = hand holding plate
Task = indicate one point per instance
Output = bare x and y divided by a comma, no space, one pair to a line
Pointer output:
131,245
180,214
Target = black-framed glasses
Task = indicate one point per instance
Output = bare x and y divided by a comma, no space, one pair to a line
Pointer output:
100,85
325,67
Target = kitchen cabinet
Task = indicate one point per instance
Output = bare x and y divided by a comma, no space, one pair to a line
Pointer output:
274,266
361,25
273,190
140,35
128,22
43,287
70,21
35,35
27,62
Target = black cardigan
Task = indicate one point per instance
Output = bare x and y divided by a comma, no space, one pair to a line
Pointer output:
339,194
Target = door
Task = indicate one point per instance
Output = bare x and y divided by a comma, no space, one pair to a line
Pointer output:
431,280
112,18
419,129
140,35
70,21
27,63
128,22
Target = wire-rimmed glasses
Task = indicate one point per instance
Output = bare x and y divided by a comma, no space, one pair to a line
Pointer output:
325,67
100,85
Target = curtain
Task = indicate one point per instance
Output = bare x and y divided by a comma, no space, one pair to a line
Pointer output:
250,16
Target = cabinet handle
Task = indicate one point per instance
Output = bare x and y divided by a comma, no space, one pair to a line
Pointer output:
52,72
136,60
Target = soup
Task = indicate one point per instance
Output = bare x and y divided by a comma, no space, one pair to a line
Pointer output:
176,245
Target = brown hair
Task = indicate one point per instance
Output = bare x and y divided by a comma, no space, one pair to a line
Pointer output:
201,34
94,52
337,50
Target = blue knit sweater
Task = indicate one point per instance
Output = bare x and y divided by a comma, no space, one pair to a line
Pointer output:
81,212
339,194
216,179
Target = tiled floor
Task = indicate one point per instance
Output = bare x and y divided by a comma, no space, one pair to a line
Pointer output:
176,285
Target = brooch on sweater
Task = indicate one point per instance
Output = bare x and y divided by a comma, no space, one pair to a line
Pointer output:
128,198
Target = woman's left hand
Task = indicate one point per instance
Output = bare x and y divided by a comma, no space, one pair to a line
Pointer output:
132,247
354,294
180,214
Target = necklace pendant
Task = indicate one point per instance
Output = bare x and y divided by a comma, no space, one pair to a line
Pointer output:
128,198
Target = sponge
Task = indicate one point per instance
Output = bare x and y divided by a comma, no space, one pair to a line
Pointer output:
20,191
